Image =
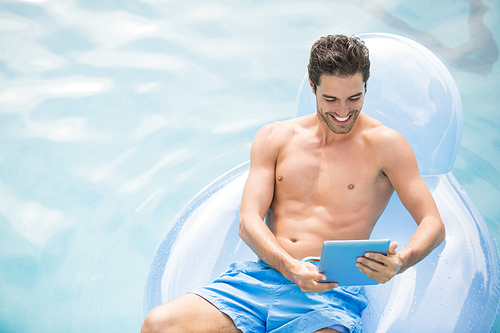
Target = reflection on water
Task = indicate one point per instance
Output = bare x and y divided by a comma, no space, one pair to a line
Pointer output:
477,54
114,114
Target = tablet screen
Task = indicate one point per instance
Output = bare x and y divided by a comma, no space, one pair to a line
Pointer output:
338,260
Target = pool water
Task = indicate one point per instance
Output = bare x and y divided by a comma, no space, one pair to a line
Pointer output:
113,114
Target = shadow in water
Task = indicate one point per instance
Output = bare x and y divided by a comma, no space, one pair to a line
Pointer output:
477,55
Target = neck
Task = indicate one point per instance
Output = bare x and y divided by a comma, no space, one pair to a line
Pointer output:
327,136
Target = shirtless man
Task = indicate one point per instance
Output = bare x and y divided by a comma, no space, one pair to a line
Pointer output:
325,176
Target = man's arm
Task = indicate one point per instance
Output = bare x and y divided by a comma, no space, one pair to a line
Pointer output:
257,197
402,170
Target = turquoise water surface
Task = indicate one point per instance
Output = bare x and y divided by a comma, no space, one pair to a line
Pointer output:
113,114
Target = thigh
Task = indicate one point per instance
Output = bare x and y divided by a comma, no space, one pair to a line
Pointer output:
188,313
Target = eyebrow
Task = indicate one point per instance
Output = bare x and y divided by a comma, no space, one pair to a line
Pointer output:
333,97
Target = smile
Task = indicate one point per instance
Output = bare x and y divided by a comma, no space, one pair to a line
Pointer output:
340,119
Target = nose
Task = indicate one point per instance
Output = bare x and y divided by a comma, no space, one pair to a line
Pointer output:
343,110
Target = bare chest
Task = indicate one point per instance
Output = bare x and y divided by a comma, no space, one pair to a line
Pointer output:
347,175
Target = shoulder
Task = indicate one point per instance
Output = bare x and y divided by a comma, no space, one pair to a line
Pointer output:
280,132
382,136
391,147
272,138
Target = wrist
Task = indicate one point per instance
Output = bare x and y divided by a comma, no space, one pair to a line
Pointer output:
404,256
290,266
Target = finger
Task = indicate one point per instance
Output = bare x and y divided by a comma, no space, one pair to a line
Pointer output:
367,271
373,274
374,261
316,286
322,277
392,247
321,287
381,257
327,286
311,267
311,272
308,277
383,265
314,274
381,271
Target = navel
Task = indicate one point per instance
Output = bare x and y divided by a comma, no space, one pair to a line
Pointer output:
350,186
280,177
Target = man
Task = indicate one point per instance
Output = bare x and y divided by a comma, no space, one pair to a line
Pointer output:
325,176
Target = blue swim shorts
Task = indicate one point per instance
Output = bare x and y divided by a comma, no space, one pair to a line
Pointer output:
260,299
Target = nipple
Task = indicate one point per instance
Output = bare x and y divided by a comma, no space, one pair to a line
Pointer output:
351,186
280,177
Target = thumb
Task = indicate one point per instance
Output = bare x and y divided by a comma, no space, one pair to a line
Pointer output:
392,247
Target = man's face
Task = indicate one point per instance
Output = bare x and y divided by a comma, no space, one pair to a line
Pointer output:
339,101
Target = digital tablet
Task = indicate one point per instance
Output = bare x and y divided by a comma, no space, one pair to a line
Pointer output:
338,260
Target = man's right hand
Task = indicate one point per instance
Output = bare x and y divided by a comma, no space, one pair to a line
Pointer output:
306,276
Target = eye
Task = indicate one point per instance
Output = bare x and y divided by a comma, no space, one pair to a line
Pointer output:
355,99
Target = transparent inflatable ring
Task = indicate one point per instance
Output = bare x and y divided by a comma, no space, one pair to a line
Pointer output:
454,289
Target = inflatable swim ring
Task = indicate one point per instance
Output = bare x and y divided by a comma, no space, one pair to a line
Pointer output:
454,289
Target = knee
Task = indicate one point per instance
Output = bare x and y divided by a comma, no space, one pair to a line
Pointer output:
157,321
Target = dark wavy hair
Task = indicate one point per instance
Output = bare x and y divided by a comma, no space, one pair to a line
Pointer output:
338,55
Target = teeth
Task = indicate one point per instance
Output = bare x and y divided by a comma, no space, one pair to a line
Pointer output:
341,119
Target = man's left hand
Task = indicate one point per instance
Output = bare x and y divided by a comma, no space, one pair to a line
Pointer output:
379,267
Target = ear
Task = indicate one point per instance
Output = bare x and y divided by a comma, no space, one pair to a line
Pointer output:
312,86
